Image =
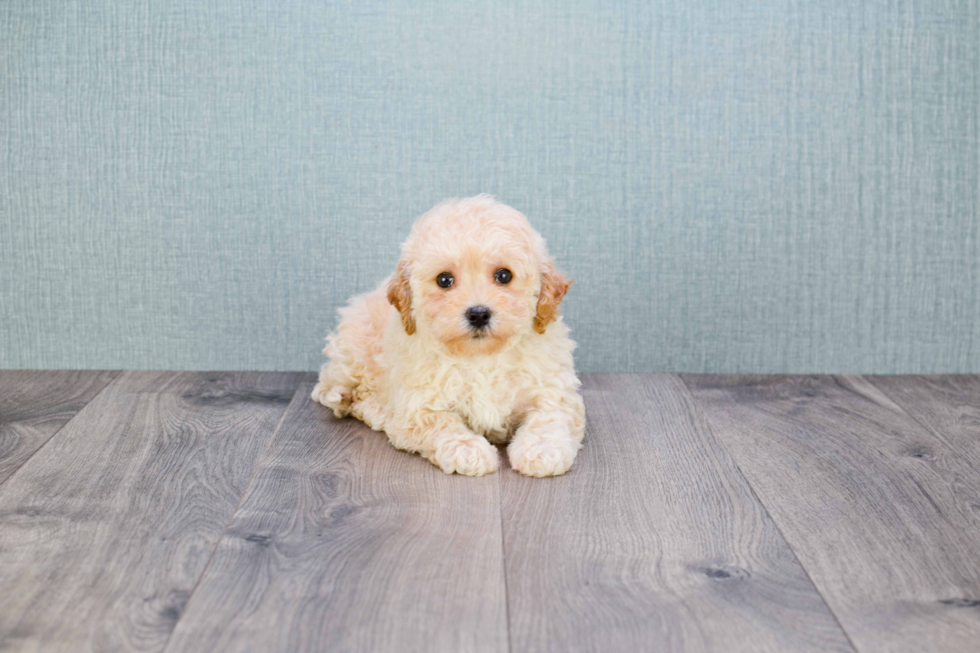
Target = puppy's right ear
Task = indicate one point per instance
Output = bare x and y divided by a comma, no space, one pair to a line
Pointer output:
400,296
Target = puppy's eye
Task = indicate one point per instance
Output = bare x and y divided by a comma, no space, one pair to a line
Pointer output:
444,280
503,276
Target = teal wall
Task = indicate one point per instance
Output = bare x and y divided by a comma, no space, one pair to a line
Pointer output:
736,185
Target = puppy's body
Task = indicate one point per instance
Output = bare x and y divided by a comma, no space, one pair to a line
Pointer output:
406,361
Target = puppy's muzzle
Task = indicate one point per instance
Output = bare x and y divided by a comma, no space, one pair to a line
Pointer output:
478,317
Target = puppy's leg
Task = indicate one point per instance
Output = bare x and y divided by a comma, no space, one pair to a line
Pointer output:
550,436
353,349
444,440
331,391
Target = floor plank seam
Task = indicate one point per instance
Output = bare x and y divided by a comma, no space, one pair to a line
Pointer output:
779,529
116,373
909,415
503,554
231,518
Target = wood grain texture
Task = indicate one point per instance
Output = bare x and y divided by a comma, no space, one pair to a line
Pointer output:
106,530
947,406
653,541
881,512
343,543
34,404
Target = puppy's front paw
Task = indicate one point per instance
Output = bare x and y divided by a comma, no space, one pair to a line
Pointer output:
534,455
469,455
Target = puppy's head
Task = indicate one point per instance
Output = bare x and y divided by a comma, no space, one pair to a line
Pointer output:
474,275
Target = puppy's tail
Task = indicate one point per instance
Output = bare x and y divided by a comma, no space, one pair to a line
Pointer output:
337,398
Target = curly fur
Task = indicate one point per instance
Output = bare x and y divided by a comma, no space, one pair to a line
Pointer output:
405,360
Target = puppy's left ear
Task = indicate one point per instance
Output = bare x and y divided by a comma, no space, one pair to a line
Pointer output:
400,296
554,285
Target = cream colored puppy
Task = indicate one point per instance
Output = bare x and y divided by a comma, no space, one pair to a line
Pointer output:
463,346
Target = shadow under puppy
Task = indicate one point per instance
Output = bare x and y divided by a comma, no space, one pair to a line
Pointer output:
463,346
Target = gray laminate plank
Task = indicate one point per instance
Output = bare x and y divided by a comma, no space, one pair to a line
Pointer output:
105,531
653,541
948,406
34,404
880,511
343,543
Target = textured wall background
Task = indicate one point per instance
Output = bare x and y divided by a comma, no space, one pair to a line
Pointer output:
736,185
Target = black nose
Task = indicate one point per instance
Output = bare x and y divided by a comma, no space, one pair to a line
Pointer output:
478,316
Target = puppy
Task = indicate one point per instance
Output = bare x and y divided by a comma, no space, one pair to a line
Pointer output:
463,346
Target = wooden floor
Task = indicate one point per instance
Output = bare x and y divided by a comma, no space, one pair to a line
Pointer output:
163,511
